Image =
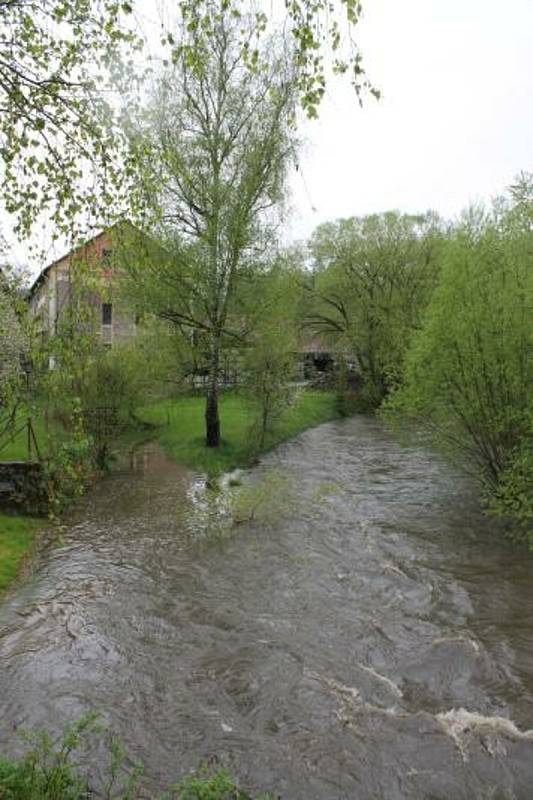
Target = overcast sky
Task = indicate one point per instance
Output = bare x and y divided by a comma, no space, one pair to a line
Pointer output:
455,123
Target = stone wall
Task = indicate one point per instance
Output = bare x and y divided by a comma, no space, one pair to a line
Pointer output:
22,487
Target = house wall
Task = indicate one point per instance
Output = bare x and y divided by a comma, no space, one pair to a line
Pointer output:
52,292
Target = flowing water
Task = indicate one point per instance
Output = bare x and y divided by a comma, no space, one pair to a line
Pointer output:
370,636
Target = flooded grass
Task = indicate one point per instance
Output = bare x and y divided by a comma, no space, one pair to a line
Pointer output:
181,428
16,538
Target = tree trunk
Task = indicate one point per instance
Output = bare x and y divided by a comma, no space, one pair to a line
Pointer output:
212,420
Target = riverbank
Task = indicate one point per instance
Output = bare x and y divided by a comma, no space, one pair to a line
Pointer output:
178,425
329,646
17,536
179,428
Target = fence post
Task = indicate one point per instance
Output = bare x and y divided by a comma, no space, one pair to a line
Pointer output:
28,430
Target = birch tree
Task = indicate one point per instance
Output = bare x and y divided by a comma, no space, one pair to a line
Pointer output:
217,140
57,61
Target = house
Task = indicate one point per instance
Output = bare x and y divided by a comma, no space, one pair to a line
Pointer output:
54,289
315,356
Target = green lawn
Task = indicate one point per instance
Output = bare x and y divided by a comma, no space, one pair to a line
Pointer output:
182,434
16,537
16,532
15,448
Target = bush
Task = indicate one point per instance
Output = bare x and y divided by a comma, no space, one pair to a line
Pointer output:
205,786
514,495
469,370
49,771
69,467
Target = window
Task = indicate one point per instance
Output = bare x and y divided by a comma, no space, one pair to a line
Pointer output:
107,313
106,253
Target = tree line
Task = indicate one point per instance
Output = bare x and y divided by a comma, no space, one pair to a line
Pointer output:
438,319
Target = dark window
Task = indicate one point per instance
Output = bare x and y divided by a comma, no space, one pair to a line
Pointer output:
107,313
106,253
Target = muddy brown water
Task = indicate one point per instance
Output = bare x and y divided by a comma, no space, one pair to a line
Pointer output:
372,640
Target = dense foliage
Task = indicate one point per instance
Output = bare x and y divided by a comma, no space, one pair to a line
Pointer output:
64,63
215,144
469,370
436,323
14,345
373,277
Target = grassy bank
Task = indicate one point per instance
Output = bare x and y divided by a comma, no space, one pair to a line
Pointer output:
16,538
181,432
15,448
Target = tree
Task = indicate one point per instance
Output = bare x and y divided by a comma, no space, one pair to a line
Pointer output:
469,370
13,345
14,350
319,36
59,152
56,59
373,278
216,143
269,358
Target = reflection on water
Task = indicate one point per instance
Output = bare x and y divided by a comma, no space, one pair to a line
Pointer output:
375,640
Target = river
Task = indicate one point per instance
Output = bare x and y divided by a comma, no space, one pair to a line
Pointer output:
364,632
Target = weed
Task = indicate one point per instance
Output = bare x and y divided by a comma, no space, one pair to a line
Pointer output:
49,771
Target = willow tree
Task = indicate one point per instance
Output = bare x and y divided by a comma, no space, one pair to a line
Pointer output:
215,143
469,370
373,278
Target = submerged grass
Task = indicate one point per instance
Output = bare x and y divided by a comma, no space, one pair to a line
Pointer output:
180,428
16,538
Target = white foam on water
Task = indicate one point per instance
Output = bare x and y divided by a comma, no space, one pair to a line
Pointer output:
383,679
346,691
463,639
388,566
462,725
351,703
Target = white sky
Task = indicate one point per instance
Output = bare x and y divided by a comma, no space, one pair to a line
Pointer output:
455,123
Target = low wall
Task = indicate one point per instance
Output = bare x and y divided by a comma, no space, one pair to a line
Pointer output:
22,487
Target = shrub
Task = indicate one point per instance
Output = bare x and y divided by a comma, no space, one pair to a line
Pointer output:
49,771
469,370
